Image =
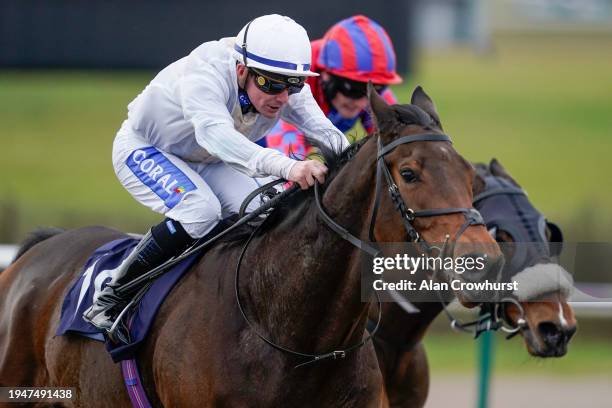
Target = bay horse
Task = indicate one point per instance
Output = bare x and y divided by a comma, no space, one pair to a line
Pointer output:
300,287
549,319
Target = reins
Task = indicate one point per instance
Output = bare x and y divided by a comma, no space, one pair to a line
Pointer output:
198,246
118,330
408,216
312,358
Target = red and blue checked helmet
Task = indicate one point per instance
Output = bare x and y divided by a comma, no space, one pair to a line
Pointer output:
359,49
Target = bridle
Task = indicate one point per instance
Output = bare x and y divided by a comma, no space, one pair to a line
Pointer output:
408,215
493,315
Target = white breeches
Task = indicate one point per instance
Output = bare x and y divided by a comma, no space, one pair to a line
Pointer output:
195,194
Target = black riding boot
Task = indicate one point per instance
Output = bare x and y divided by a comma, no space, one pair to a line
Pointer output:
164,241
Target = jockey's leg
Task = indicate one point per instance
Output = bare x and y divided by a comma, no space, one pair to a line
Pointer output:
231,187
163,242
191,215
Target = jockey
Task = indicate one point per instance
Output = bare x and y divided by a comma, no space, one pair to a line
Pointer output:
352,52
187,149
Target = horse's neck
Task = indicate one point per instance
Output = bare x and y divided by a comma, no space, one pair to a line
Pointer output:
307,284
404,330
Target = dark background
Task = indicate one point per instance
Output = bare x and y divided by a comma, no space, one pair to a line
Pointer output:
153,33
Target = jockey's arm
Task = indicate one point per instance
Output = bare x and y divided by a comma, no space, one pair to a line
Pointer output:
305,113
204,98
389,96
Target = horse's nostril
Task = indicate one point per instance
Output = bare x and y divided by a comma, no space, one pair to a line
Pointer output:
551,333
569,332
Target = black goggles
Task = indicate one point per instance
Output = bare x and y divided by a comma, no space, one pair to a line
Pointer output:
354,89
273,84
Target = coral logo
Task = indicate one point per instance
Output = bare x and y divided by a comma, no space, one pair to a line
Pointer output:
158,173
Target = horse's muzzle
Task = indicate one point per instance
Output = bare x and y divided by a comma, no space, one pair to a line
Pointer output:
555,338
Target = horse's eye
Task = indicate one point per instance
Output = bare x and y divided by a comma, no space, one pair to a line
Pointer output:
409,175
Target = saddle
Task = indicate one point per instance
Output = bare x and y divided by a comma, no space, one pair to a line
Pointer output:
137,318
142,313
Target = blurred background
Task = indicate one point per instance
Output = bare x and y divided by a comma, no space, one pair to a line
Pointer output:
526,81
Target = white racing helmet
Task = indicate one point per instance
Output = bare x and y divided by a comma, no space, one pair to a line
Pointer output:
274,43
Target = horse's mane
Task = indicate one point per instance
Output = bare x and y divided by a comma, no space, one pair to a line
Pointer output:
333,157
413,115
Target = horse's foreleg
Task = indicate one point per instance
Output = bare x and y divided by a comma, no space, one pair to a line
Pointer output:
407,379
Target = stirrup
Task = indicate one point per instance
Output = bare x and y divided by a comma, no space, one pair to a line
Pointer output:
100,313
119,332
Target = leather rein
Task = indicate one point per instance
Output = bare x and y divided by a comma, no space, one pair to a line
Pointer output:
408,216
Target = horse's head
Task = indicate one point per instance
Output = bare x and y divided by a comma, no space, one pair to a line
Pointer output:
434,183
529,242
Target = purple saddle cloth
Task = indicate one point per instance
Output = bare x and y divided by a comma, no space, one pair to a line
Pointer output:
80,297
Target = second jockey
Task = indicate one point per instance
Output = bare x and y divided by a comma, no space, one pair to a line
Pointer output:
352,52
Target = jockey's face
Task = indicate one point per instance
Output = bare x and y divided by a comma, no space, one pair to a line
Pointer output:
347,107
267,104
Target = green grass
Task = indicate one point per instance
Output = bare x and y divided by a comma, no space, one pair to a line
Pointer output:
57,135
542,105
457,353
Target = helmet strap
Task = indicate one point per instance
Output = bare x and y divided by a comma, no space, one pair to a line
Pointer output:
244,43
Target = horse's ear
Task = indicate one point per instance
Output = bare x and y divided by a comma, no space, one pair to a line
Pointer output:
384,115
481,169
499,171
423,101
478,184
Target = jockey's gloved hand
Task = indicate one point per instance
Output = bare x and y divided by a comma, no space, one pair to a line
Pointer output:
305,172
